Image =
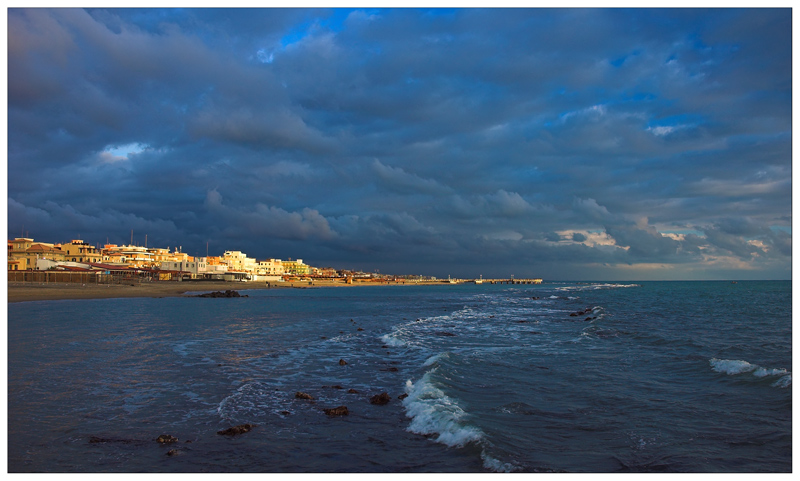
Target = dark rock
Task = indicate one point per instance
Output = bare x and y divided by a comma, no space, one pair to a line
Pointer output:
402,396
535,332
380,399
573,314
302,395
522,322
172,452
97,439
322,337
335,386
588,319
447,334
342,362
166,439
340,411
384,347
352,391
285,413
228,293
188,440
360,329
391,369
240,429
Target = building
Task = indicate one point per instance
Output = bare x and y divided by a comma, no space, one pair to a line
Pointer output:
296,268
135,256
270,267
79,251
239,262
42,251
196,268
17,260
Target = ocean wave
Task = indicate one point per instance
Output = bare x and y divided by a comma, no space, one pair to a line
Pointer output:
434,359
390,340
432,412
493,464
734,367
593,287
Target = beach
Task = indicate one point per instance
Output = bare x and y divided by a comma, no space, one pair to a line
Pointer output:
23,292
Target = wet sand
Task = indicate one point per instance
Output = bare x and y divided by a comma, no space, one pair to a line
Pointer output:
22,292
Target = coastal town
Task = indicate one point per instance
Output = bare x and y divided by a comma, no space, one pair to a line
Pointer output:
113,262
78,261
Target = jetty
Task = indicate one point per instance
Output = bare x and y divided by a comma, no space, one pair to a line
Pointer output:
507,281
495,281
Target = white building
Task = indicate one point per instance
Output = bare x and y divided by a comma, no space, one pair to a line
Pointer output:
196,268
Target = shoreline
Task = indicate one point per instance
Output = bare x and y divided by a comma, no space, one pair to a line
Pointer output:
28,292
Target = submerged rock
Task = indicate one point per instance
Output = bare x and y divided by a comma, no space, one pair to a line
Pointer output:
352,391
380,399
446,334
402,396
233,431
342,362
339,411
302,395
166,439
172,452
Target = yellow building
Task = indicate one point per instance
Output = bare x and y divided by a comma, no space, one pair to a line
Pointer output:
42,251
80,251
296,267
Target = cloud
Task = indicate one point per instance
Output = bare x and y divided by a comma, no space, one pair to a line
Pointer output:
271,221
398,180
434,141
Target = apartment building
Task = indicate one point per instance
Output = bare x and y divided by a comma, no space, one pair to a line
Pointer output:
296,267
270,267
239,262
79,251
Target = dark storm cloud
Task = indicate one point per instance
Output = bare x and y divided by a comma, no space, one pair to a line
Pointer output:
559,143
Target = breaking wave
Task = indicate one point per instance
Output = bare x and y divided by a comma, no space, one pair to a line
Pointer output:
734,367
435,414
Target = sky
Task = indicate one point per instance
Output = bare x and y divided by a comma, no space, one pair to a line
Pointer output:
566,144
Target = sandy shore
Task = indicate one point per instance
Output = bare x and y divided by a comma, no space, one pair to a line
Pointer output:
22,292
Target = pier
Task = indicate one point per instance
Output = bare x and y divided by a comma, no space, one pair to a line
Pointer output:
496,281
508,281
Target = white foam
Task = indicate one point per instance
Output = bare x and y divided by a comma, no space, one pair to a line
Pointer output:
784,381
432,412
390,340
735,367
495,465
761,372
731,367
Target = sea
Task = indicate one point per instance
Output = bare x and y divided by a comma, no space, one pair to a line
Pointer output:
589,377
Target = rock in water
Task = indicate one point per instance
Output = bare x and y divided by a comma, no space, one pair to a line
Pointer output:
166,439
352,391
240,429
340,411
302,395
380,399
342,362
402,396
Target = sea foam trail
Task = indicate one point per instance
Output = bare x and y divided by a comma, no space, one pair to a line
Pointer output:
734,367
